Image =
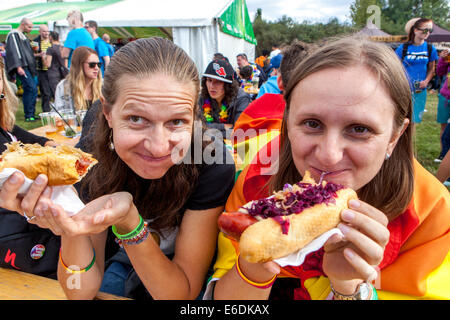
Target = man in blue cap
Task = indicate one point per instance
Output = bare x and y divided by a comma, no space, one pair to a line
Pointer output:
271,85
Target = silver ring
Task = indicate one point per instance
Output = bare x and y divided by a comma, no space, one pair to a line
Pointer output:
28,218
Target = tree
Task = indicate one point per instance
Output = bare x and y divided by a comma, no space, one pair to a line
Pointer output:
359,13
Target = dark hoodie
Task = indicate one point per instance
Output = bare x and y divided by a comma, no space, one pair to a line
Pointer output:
19,53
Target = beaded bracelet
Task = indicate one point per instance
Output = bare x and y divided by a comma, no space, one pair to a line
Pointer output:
258,285
76,271
131,234
138,238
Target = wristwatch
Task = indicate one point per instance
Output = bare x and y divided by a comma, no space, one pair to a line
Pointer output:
363,292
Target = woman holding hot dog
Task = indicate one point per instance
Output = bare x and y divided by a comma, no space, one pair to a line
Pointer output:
161,202
355,131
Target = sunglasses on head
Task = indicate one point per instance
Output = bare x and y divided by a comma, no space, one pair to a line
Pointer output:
93,64
425,30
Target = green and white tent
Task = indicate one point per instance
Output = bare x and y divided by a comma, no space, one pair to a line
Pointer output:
200,27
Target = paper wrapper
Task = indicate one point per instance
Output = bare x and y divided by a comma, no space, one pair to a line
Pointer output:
297,258
65,196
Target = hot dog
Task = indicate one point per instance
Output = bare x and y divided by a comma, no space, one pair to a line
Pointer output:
277,226
63,165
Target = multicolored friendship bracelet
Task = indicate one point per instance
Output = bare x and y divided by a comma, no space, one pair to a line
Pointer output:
76,271
138,235
130,234
264,285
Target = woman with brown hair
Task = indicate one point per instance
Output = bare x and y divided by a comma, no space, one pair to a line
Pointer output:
83,85
357,132
148,181
221,100
419,59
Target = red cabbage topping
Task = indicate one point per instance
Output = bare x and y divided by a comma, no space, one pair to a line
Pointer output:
295,200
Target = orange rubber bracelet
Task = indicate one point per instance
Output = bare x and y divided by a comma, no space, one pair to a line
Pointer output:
259,285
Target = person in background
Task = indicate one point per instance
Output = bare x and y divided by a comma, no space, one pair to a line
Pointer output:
356,132
242,61
275,51
55,63
107,39
20,62
443,70
76,37
148,113
245,75
44,43
260,61
100,46
419,59
261,121
83,84
221,99
271,85
18,238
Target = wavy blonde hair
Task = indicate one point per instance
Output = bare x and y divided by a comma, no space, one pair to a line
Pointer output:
8,105
75,83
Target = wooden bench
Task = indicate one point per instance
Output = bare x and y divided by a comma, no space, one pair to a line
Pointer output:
17,285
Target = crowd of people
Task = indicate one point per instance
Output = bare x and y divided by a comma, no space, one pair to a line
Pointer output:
345,110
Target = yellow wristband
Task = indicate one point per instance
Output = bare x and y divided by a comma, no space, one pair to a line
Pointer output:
259,285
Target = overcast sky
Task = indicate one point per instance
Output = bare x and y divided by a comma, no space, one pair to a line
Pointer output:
299,10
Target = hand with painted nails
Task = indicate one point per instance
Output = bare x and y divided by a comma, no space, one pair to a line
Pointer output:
97,216
350,260
25,205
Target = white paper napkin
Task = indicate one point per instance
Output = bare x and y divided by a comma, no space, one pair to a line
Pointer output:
64,196
297,258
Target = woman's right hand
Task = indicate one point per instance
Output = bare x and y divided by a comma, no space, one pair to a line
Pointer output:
11,200
444,53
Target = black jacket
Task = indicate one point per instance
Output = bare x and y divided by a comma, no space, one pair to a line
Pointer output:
234,110
19,53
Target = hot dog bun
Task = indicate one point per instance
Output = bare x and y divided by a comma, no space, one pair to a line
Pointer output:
277,226
63,165
265,241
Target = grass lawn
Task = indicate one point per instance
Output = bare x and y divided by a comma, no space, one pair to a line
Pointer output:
427,143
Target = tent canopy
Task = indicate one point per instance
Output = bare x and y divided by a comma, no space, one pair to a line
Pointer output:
372,30
439,34
138,18
200,27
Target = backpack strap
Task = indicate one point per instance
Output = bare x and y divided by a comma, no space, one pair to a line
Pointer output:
405,50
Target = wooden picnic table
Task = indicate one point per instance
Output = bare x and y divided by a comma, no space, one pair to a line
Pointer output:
58,137
17,285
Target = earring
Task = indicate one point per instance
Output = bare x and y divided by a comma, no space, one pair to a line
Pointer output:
111,143
387,156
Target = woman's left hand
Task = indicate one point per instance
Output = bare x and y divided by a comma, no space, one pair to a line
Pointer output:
97,216
349,261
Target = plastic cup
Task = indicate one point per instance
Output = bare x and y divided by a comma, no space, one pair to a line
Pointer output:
48,120
70,124
80,116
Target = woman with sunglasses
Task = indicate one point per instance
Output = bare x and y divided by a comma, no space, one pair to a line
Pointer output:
83,84
419,59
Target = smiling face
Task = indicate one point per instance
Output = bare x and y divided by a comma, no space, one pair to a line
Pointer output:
152,120
342,124
91,73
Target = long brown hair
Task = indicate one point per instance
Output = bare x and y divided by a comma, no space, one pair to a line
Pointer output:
75,81
160,199
391,189
9,104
